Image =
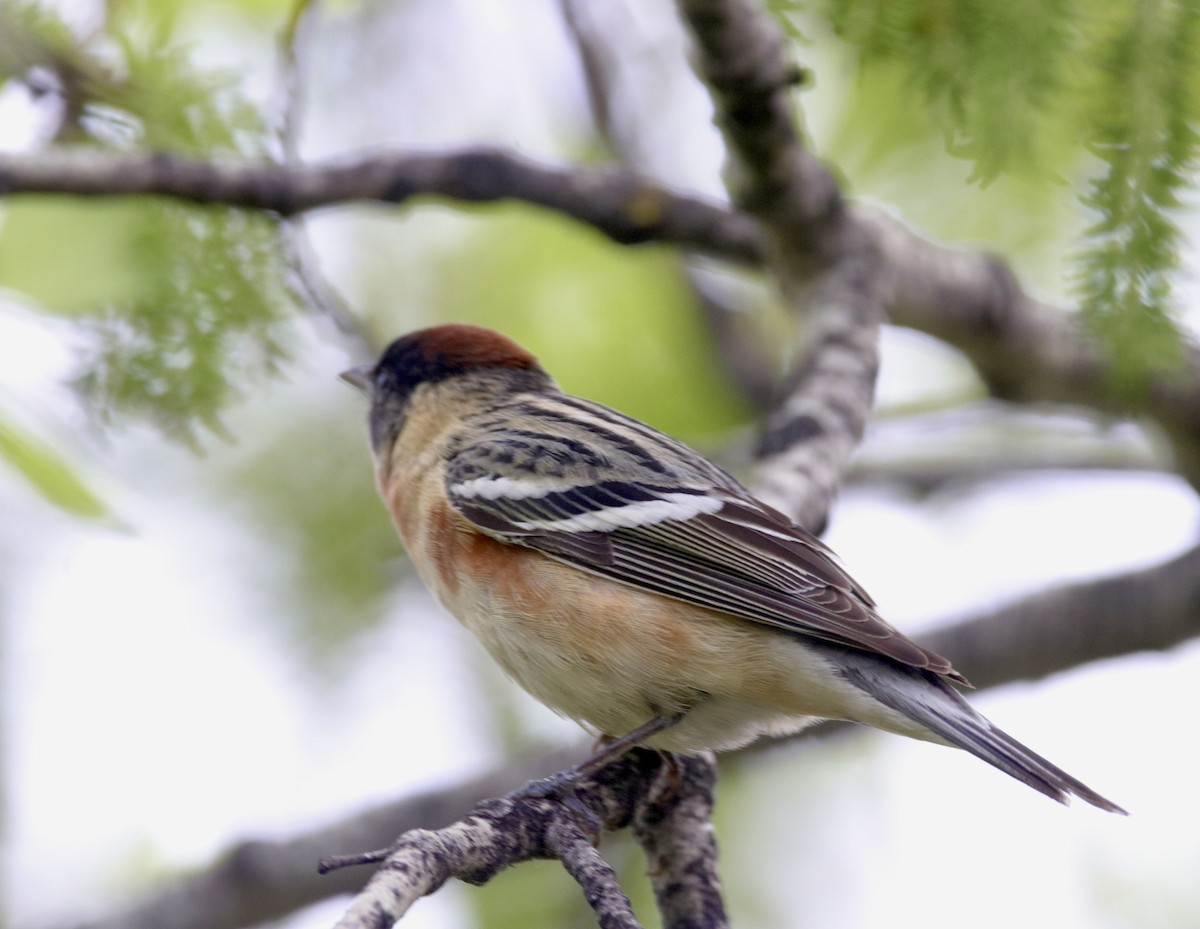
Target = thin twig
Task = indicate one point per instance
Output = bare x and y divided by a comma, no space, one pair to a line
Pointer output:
616,67
305,279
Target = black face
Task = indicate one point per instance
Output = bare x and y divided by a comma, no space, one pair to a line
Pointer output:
406,365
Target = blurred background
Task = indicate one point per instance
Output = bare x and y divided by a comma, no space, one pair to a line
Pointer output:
207,629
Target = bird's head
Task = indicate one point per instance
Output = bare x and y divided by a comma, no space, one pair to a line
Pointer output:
469,356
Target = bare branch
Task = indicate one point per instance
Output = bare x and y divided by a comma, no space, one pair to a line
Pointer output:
418,864
307,283
823,262
1026,350
617,64
1150,609
497,834
596,59
742,58
923,452
681,849
593,874
729,316
626,208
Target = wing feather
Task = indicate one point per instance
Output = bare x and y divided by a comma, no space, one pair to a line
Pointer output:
680,535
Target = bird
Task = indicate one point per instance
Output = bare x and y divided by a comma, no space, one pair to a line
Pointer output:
630,584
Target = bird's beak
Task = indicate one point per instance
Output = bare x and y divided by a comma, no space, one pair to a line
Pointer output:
360,379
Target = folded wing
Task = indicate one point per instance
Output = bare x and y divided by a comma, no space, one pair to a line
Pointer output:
701,543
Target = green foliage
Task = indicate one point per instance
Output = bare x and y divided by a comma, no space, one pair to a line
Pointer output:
208,319
1145,105
31,36
1043,90
992,74
183,305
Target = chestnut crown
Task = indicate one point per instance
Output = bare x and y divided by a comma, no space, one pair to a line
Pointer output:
428,356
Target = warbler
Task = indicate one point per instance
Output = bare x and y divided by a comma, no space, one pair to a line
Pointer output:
632,585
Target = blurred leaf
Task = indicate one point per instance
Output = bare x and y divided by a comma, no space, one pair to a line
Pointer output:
1042,91
33,35
168,12
993,76
888,148
70,255
309,489
182,109
211,315
48,471
1146,104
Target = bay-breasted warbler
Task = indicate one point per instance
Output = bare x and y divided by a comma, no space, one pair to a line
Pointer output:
627,582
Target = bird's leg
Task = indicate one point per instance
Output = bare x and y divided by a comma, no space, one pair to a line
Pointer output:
669,781
561,783
612,749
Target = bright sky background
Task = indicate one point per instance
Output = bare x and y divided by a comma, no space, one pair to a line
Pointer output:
150,718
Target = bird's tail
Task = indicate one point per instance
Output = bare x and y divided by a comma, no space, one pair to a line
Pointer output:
935,705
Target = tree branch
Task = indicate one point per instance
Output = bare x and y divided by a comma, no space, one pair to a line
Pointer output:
924,452
1151,609
624,207
259,880
497,834
681,849
310,287
619,60
822,261
1025,350
742,58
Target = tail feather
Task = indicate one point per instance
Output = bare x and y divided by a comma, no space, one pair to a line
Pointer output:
931,702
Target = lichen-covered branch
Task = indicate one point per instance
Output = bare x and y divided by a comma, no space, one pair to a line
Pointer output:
499,833
741,55
681,849
823,263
